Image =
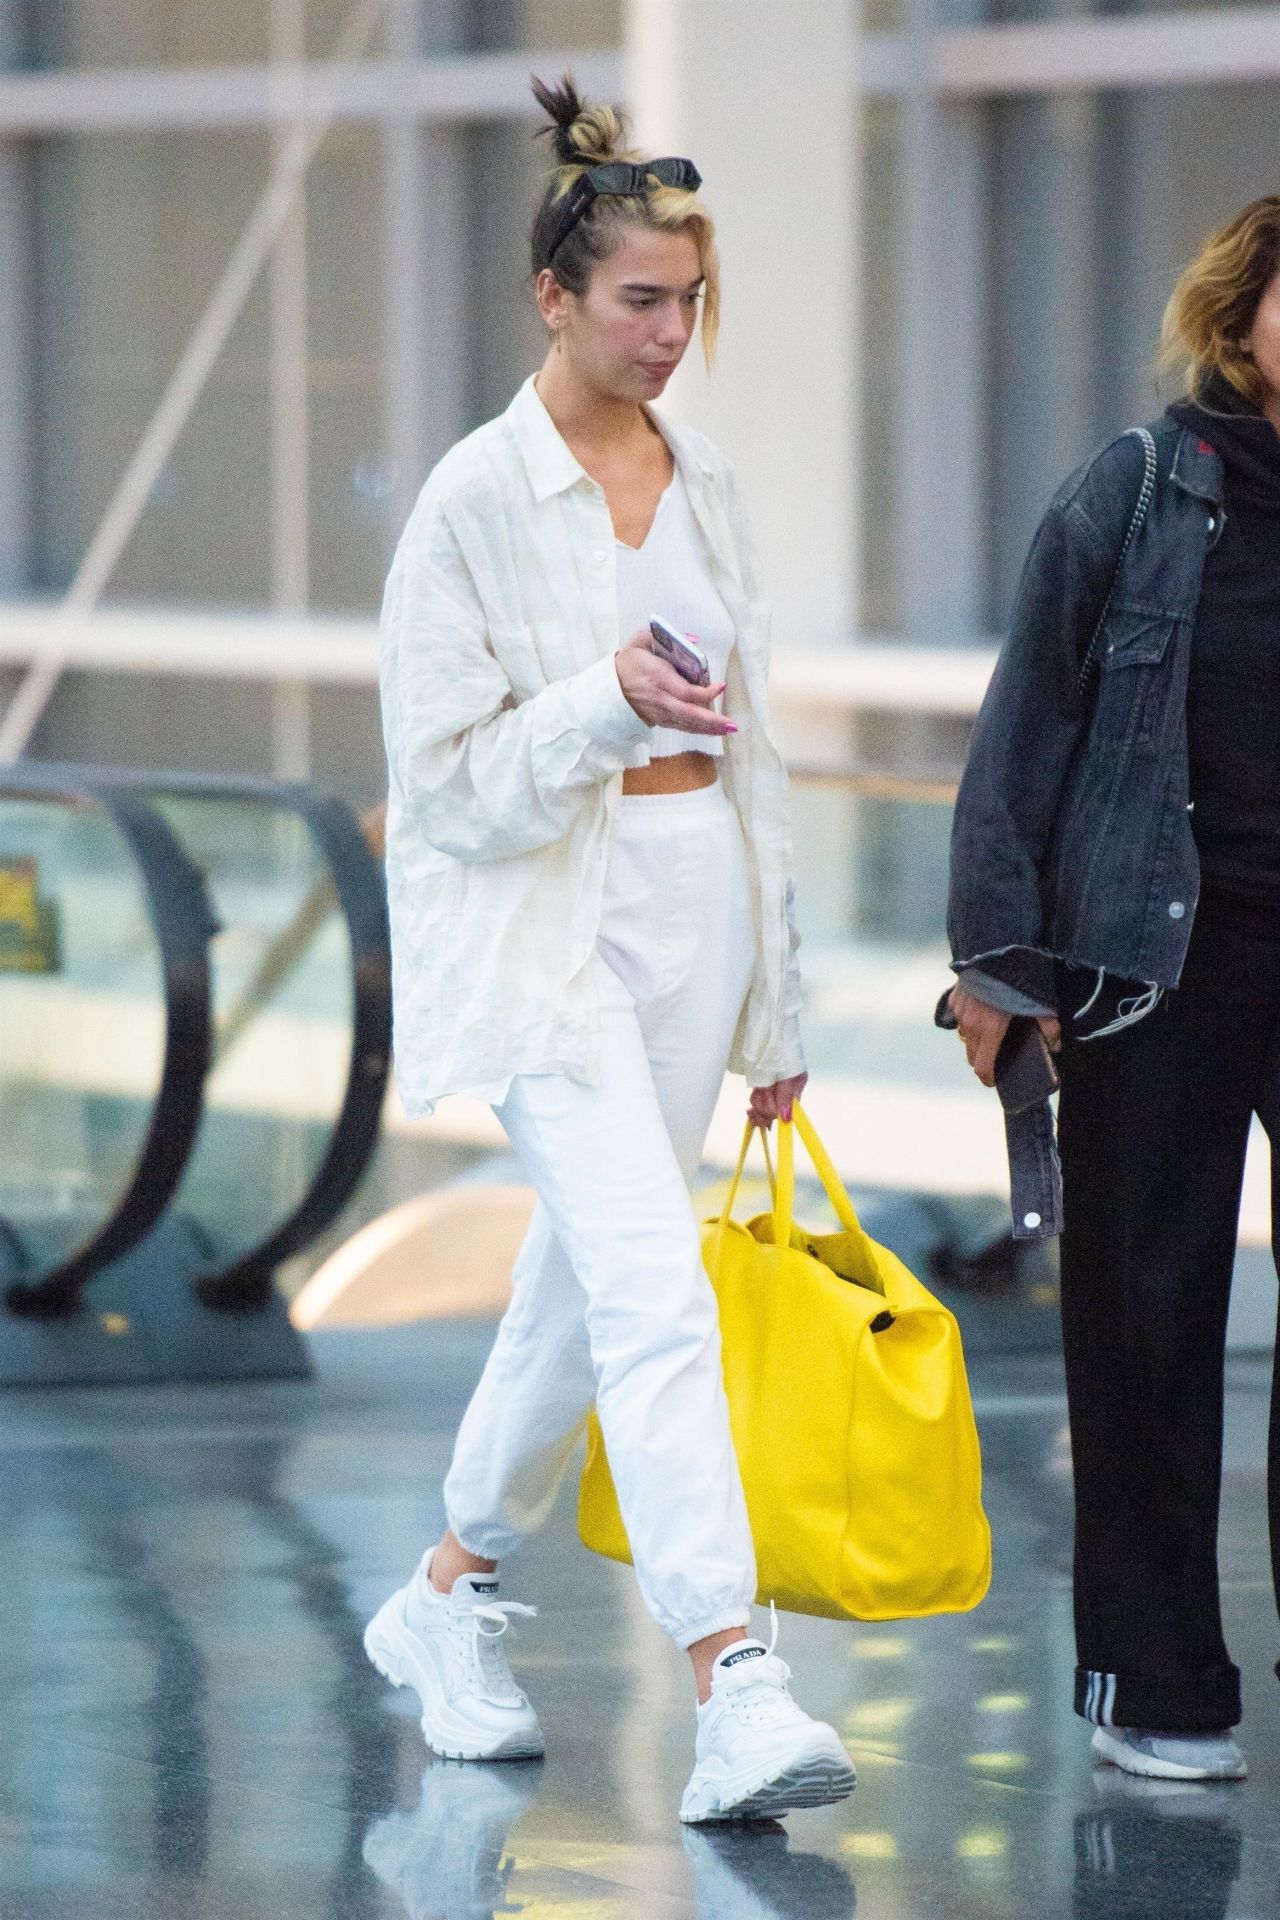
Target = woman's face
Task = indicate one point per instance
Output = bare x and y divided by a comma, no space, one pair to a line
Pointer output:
1263,338
627,334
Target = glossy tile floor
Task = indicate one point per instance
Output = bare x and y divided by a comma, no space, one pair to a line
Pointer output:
188,1726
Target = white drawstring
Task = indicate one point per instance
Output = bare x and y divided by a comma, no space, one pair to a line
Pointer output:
1102,974
1129,1012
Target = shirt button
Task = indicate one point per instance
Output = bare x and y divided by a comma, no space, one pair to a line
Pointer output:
1176,909
601,555
1031,1220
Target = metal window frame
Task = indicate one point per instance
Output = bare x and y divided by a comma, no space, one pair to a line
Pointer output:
1210,45
456,91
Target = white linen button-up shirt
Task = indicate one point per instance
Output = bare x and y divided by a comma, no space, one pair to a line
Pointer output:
507,733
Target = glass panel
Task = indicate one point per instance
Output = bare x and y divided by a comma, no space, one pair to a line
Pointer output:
138,33
871,993
1010,10
881,282
1098,202
550,24
346,247
571,23
283,988
507,171
169,33
132,231
83,1019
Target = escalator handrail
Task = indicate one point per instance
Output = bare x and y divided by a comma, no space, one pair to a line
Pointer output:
361,894
362,900
182,921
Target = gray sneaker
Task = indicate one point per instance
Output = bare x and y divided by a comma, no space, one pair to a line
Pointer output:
1170,1756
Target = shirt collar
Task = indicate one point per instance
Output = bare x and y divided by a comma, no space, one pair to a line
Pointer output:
548,462
550,465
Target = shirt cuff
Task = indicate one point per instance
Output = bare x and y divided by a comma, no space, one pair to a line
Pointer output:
787,1062
996,993
606,716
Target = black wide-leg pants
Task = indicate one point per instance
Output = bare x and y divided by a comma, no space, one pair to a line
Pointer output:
1153,1125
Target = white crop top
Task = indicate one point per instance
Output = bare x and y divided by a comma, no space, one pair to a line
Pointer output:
670,576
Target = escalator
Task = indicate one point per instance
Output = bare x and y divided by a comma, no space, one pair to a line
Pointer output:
194,1048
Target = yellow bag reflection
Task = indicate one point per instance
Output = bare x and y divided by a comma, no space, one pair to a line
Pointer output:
850,1411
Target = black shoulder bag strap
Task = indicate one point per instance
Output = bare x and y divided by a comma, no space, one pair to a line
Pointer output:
1093,652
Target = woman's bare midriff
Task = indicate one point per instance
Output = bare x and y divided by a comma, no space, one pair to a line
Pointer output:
675,773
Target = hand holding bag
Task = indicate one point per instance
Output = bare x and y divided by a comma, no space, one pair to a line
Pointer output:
850,1412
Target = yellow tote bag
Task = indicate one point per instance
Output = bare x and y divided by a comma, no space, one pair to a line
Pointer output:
851,1416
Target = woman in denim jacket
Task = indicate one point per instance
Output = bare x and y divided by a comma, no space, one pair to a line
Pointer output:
589,877
1116,877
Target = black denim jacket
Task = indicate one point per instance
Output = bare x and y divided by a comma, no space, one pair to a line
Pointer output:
1071,841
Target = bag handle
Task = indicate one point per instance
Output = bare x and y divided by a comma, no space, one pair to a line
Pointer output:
782,1184
734,1184
824,1166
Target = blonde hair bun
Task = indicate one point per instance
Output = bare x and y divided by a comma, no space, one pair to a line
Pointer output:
581,135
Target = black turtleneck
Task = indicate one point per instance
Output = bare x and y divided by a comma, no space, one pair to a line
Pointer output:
1233,697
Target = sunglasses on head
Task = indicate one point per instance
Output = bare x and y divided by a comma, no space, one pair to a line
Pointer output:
621,179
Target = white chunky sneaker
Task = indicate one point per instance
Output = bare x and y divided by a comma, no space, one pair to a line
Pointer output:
446,1647
1170,1756
758,1754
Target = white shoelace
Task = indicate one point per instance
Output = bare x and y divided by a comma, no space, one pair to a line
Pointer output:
762,1698
477,1629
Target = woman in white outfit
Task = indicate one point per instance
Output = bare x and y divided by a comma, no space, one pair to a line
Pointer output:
588,864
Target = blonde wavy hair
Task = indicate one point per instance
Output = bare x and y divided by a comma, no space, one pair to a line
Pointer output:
1214,303
584,135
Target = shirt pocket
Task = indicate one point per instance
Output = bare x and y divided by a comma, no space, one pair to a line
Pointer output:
1134,675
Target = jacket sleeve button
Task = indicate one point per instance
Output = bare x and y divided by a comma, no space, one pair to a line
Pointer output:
1176,909
1031,1220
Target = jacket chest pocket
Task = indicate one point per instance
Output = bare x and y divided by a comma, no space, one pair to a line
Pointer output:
1135,672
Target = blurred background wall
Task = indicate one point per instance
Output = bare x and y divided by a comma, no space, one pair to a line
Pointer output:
949,228
949,231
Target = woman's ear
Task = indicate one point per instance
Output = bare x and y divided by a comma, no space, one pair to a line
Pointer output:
552,300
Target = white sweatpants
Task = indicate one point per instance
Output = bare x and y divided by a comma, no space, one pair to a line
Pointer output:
610,1303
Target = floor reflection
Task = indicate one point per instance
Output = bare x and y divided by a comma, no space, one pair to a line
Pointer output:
760,1873
448,1858
1149,1837
189,1729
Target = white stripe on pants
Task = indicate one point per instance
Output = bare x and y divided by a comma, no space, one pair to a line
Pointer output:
610,1301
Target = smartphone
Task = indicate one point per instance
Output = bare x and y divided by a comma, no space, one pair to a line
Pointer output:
681,651
1025,1069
